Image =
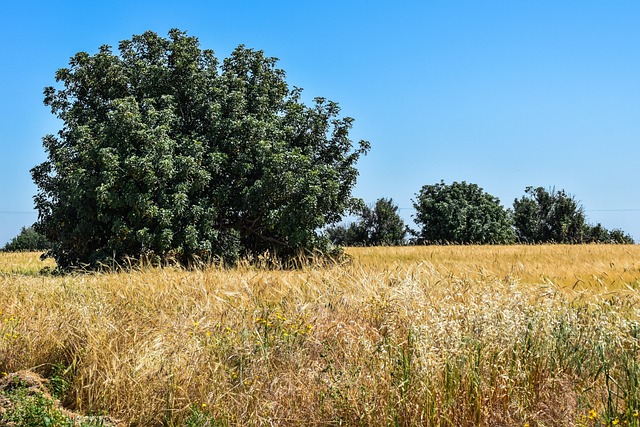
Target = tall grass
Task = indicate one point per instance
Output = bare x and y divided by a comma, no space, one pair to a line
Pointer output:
435,336
23,263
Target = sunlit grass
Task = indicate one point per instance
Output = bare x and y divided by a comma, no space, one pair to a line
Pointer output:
565,266
463,336
23,263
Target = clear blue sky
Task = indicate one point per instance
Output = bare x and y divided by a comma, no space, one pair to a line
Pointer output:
504,94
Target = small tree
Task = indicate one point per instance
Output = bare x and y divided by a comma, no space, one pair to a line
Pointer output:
542,216
550,216
377,226
27,240
618,236
167,153
384,225
460,213
352,234
596,234
599,234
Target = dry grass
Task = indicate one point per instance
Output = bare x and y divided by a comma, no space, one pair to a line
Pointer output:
565,266
23,263
436,336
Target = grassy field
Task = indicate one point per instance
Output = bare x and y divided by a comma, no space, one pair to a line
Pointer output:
431,336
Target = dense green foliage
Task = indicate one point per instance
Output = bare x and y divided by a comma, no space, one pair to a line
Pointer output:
599,234
165,153
542,216
550,216
618,236
377,226
27,240
460,213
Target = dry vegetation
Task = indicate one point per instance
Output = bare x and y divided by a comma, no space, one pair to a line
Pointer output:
434,336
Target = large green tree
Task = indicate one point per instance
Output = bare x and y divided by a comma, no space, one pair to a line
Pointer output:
167,153
460,213
377,226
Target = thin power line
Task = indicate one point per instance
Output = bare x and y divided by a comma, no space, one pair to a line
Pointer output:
612,210
586,210
401,209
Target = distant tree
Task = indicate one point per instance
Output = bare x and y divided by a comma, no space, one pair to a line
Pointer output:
166,153
460,213
383,224
596,234
526,220
27,240
620,237
352,234
599,234
377,226
543,216
550,216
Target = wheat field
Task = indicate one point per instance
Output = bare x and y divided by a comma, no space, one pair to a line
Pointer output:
432,336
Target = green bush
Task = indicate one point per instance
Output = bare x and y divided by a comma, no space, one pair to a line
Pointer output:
377,226
550,216
460,213
27,240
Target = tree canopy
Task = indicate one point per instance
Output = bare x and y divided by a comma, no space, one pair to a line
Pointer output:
460,213
551,216
167,153
542,216
27,240
377,226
